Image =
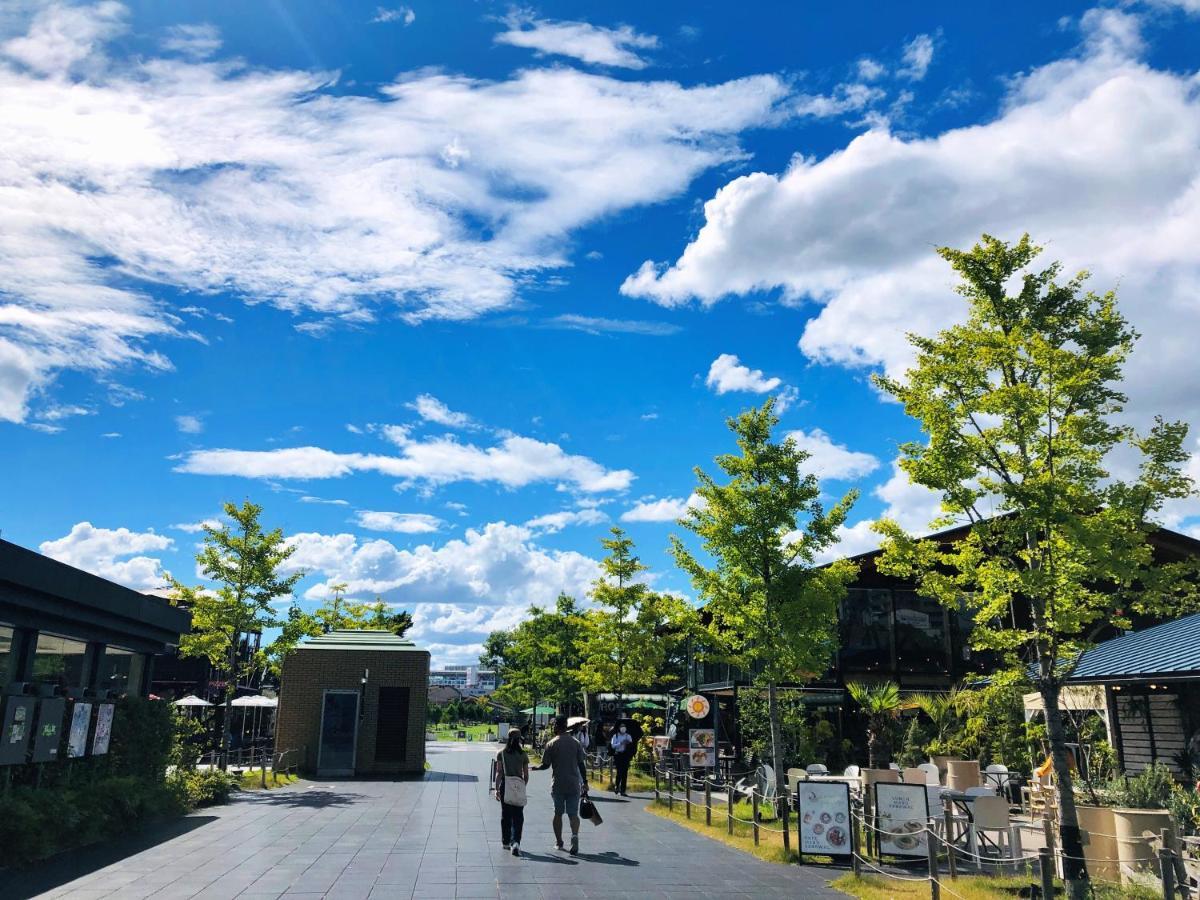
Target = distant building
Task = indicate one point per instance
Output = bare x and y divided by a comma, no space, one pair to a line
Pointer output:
472,681
443,693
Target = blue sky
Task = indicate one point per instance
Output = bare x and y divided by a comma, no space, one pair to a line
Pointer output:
450,288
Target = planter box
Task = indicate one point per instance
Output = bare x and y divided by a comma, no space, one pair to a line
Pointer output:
1138,832
1100,848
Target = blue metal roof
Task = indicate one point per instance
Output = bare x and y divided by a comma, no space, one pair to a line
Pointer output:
1169,649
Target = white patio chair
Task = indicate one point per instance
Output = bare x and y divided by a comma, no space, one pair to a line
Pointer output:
853,772
794,777
991,815
932,776
768,786
998,776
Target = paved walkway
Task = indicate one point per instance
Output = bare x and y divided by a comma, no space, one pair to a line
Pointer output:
437,838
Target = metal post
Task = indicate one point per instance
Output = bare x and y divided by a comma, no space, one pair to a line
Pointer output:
948,824
1046,864
855,846
708,802
729,807
781,803
1166,866
670,790
656,797
935,889
754,810
687,793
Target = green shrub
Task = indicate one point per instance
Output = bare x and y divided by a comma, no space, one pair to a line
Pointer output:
1151,788
204,787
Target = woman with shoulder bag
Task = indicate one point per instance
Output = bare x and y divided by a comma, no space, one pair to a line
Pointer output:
512,776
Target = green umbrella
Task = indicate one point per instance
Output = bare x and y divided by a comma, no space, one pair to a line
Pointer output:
643,704
540,711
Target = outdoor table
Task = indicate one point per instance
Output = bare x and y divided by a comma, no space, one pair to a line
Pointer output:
965,802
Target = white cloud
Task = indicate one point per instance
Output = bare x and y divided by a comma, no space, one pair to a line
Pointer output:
551,523
404,523
431,409
103,552
403,14
869,69
309,498
196,41
918,54
662,509
495,566
830,460
845,98
207,175
189,424
728,374
1094,154
196,527
581,40
111,434
44,428
597,325
515,462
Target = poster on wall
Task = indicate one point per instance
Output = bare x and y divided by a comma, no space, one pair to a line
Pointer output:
18,725
81,720
823,808
662,746
902,815
104,719
47,734
702,747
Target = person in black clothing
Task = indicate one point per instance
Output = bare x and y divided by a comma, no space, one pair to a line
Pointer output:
511,761
623,750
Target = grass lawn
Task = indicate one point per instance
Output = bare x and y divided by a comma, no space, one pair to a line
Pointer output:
450,732
875,887
770,845
638,783
252,781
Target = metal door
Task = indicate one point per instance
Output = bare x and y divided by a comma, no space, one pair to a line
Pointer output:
339,733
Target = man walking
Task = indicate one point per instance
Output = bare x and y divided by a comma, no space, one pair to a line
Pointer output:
568,780
622,748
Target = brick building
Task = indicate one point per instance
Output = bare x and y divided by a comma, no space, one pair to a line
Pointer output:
353,703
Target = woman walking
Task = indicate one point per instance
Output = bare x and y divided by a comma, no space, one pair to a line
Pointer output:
512,775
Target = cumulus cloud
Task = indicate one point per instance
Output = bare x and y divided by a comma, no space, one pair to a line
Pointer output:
431,409
113,554
728,374
514,462
404,523
845,98
196,527
830,460
589,43
207,174
1094,154
661,509
551,523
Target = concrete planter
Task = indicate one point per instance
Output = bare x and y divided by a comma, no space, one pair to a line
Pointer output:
1100,848
1137,832
942,762
962,774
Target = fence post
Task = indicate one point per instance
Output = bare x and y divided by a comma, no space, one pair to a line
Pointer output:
1166,866
729,807
671,790
707,802
855,848
948,823
935,889
754,810
1046,864
656,797
687,793
783,806
263,762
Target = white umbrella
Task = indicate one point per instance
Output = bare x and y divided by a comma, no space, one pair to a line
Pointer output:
577,720
254,700
191,700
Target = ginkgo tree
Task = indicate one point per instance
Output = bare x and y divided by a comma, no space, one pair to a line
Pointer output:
771,610
1022,413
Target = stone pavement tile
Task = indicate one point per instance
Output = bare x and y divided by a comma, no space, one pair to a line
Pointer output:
469,875
478,891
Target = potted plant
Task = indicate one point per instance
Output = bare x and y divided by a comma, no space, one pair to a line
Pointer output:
1139,819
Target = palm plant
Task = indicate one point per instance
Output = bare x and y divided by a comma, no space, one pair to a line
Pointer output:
943,711
881,705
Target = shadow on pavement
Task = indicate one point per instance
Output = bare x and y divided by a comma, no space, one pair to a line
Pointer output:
449,776
72,864
312,798
542,857
610,857
596,799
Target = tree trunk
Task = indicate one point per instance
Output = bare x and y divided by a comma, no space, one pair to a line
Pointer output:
776,737
1075,874
230,689
872,748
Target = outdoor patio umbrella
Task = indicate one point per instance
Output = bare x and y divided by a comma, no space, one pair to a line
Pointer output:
577,720
643,704
191,700
254,700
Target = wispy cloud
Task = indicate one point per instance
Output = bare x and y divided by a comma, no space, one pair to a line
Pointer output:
402,14
588,43
599,325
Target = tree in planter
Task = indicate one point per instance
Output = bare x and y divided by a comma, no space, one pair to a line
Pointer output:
1020,405
881,705
943,713
243,562
772,611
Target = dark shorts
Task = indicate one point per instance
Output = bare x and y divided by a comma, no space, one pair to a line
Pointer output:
566,802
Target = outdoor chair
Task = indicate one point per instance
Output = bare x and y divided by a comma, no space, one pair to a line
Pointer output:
816,769
1038,798
998,776
992,815
895,767
932,776
853,772
768,786
794,777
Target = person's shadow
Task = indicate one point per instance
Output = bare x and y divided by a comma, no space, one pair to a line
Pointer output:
542,857
610,857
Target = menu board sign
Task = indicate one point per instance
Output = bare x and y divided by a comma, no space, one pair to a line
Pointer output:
702,747
902,815
47,733
81,719
824,811
104,720
18,726
662,746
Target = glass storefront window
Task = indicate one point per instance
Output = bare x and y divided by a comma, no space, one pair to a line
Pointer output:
920,633
121,671
867,630
58,660
6,641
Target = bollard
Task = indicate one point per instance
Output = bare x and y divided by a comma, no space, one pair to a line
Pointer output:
707,803
1166,868
656,797
671,790
754,810
687,793
781,804
855,848
1046,864
935,889
729,807
948,819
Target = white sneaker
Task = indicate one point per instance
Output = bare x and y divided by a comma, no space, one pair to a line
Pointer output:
516,849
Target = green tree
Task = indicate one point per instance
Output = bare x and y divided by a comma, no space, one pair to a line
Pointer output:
633,632
242,561
881,705
771,610
943,712
539,660
1020,405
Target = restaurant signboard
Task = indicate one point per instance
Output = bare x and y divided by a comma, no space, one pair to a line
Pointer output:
902,817
823,809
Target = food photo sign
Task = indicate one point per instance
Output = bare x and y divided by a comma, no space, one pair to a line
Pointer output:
823,808
902,815
702,747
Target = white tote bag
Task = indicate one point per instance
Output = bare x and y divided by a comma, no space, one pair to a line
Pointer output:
514,790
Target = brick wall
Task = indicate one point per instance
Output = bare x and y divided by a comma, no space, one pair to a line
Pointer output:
307,674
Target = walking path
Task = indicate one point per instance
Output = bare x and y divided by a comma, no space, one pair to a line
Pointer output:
436,838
